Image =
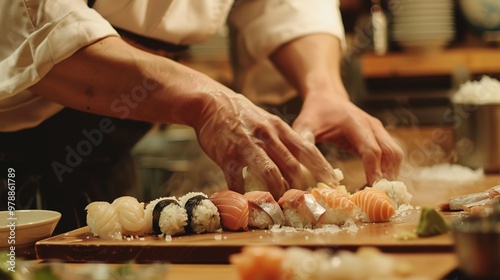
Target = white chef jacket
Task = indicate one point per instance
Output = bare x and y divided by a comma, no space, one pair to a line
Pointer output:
41,33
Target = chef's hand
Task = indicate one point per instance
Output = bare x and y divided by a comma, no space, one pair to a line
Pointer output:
335,119
235,133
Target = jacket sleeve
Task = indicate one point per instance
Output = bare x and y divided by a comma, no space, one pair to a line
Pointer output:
258,27
41,34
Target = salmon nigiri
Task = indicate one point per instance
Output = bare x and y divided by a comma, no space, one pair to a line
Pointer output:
338,205
300,208
233,209
264,210
375,203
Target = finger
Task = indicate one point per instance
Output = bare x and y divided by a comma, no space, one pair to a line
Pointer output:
288,165
310,157
267,172
367,146
308,135
233,174
392,154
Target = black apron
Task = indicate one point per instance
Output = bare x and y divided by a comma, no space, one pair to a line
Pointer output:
68,161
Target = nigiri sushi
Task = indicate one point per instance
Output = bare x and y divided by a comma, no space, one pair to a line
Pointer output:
166,216
460,202
338,205
300,208
396,190
376,204
297,263
202,214
233,209
131,215
264,210
258,262
103,220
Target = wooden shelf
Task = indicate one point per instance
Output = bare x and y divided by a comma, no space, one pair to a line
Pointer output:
475,60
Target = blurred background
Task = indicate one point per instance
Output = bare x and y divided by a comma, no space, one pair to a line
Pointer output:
404,61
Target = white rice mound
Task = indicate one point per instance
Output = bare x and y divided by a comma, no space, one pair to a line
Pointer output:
149,212
396,190
484,91
294,219
205,217
259,219
335,216
173,219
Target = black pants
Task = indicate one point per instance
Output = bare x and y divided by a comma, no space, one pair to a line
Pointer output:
68,161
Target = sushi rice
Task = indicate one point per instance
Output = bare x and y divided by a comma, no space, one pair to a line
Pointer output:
166,216
396,190
259,219
202,214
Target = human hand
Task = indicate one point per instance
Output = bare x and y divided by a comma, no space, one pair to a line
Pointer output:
335,119
236,134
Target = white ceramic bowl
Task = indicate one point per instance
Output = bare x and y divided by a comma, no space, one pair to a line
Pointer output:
26,227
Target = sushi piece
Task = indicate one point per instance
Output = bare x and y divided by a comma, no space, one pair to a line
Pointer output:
103,220
483,207
338,205
300,208
459,203
259,262
202,215
233,209
376,204
131,215
264,210
297,263
396,190
166,216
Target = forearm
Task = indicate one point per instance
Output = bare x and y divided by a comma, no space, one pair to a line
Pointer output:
311,64
115,79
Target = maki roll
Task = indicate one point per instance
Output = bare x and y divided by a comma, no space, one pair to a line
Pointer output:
202,215
166,216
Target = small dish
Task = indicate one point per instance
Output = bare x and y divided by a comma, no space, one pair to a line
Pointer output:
25,227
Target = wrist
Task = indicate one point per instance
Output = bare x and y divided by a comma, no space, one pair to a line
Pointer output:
319,85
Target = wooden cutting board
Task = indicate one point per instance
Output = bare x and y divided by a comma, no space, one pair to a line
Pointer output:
80,246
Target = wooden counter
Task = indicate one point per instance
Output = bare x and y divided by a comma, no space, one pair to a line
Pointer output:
215,248
475,60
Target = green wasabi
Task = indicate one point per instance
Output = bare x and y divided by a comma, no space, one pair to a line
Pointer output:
431,223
